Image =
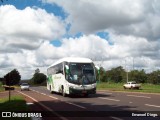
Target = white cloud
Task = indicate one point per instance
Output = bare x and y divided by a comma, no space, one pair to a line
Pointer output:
133,28
27,28
21,33
91,46
97,15
96,48
134,46
129,17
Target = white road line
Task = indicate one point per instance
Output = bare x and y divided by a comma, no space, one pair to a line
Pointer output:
49,109
28,96
68,102
106,93
116,118
43,93
109,99
138,96
64,101
29,103
129,92
53,97
152,105
75,105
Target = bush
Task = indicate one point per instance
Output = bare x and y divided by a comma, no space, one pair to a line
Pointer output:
39,78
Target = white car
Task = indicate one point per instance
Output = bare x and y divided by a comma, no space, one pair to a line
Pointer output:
131,85
24,86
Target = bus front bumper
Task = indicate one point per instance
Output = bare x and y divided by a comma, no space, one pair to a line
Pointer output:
83,91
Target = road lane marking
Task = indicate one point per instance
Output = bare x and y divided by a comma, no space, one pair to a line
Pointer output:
109,99
152,105
29,103
64,101
129,92
138,96
43,93
68,102
75,105
37,92
44,106
28,96
106,93
53,97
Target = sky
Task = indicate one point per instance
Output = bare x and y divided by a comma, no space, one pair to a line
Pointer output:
36,33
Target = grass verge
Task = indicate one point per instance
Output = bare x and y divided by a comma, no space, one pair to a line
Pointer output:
1,88
146,88
16,104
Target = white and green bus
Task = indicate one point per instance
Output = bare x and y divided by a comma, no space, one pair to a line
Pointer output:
72,76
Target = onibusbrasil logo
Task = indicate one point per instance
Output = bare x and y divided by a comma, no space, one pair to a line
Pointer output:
15,114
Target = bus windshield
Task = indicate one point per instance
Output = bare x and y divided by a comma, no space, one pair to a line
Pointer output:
81,73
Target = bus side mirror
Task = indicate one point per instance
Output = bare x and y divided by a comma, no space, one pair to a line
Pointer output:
67,69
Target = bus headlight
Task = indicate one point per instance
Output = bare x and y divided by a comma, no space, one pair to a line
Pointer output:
72,87
93,86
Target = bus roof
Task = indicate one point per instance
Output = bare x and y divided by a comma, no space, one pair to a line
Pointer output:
73,59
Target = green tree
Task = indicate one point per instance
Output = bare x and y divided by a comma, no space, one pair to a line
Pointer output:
154,77
38,78
12,78
116,74
102,73
138,76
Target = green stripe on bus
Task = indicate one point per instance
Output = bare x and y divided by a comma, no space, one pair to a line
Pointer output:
50,79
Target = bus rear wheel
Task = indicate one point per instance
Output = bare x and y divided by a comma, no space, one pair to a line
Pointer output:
63,92
51,90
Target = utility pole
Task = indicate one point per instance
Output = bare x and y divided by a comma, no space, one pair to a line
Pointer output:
126,71
9,88
101,62
127,76
133,63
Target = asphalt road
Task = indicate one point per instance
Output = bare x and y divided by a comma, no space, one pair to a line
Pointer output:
103,105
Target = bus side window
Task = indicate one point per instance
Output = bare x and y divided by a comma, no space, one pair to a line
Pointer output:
59,68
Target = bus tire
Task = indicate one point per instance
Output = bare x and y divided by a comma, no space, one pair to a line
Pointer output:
50,89
63,93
